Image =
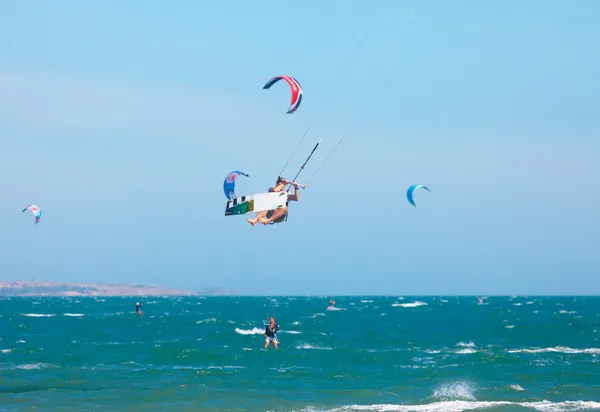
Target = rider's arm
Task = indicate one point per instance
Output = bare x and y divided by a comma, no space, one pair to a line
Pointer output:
296,196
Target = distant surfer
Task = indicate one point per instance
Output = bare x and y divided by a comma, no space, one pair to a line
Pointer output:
271,333
138,308
277,215
332,304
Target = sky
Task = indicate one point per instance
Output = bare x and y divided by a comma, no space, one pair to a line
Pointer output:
121,120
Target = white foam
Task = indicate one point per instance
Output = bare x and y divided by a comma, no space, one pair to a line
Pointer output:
455,390
253,331
461,405
39,315
209,320
6,350
466,351
466,345
410,305
333,308
558,349
74,314
292,332
517,388
309,346
31,366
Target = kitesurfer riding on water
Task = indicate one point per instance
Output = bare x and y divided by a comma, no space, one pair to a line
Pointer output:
277,215
138,308
271,333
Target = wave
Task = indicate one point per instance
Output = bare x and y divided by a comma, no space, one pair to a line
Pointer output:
455,390
38,315
30,366
309,346
253,331
209,320
461,405
466,351
410,305
74,314
558,349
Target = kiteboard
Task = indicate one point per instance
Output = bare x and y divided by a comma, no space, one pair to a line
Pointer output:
256,203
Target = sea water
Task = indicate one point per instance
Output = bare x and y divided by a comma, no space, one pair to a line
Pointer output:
368,354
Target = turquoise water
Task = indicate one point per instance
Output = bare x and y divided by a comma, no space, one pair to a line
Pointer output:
373,354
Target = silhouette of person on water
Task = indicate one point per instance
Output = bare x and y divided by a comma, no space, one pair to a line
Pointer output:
138,308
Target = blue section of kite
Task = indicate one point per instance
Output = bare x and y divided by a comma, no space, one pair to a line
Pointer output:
36,211
229,183
411,190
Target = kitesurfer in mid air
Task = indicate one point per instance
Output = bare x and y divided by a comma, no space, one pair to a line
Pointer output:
277,215
138,308
271,333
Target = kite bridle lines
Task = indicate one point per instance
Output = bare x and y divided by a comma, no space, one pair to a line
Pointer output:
298,145
300,171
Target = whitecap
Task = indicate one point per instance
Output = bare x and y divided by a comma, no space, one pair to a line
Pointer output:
466,351
466,405
558,349
410,305
455,390
309,346
253,331
209,320
39,315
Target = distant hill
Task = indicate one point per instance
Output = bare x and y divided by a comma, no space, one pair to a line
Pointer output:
45,288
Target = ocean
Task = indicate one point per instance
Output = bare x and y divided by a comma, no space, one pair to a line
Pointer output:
370,354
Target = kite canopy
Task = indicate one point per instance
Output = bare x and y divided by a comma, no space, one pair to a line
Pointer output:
36,211
411,190
229,184
295,88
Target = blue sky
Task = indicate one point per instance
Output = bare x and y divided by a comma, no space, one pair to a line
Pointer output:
121,120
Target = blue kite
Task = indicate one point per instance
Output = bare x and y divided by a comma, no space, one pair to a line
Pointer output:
411,190
229,184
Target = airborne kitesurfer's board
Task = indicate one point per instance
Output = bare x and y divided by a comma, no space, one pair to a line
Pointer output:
256,203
